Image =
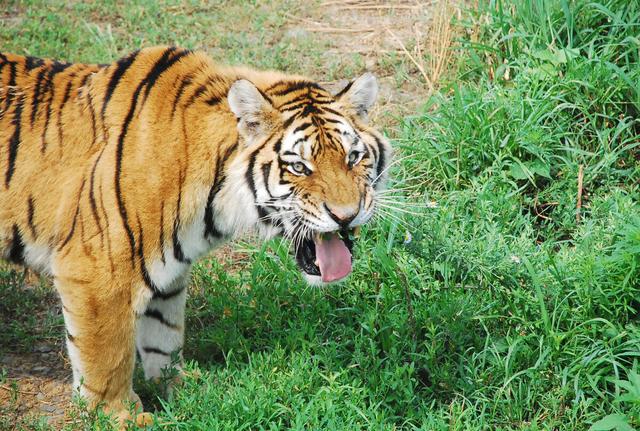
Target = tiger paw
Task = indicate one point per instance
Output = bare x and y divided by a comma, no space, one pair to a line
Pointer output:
128,421
144,419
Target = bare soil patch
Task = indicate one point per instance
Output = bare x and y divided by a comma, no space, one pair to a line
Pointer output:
405,43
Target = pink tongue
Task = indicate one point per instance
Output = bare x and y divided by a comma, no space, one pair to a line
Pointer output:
334,258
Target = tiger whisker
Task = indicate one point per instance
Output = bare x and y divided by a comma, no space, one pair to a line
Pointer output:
393,163
392,208
383,215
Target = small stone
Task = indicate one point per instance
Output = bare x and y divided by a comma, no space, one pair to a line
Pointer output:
370,63
44,348
296,32
47,408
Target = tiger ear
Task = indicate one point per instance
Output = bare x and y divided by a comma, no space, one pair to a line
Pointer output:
256,116
359,95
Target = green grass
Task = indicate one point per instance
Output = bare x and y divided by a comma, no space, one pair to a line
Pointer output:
232,32
493,307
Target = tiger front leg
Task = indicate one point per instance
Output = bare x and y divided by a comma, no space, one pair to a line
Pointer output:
100,320
160,336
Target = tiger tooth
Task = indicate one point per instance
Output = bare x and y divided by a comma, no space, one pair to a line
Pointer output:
356,232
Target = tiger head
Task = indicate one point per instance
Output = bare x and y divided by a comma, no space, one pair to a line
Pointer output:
313,166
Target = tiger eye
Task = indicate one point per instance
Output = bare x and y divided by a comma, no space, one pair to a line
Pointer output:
299,167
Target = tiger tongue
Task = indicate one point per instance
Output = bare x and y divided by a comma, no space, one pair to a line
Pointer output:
333,258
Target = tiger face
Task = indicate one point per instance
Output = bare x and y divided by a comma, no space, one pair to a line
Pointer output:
313,166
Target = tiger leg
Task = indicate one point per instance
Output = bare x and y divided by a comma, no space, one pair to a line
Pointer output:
100,340
160,335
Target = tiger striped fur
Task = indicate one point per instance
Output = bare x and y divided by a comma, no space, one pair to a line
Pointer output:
116,178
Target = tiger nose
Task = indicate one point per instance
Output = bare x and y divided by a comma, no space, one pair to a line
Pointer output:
342,215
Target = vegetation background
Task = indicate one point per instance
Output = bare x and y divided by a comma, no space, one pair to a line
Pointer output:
498,289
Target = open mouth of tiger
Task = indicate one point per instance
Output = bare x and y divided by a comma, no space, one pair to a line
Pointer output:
328,255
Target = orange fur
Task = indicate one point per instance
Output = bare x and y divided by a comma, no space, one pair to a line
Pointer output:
103,167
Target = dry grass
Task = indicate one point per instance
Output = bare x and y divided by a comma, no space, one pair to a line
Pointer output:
405,43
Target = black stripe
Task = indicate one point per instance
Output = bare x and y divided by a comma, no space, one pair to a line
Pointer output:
332,111
266,171
36,96
381,157
275,85
331,120
85,78
262,213
94,131
67,91
30,211
143,266
156,351
183,85
265,96
167,295
302,98
162,257
153,73
178,253
310,106
289,120
65,98
71,337
14,142
31,63
122,65
92,197
12,83
298,85
199,92
210,228
161,66
344,90
75,218
157,315
16,252
249,173
301,127
310,109
51,89
106,228
213,100
218,181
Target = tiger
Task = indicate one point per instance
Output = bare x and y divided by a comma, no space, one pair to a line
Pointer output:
117,177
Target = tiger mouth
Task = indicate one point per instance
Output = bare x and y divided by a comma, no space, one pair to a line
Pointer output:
328,255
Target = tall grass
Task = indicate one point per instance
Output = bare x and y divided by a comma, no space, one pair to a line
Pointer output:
496,306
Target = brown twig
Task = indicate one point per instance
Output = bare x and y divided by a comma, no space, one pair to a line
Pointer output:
17,390
579,203
343,2
378,6
341,30
413,60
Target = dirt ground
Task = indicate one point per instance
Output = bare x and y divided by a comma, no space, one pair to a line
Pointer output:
38,383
